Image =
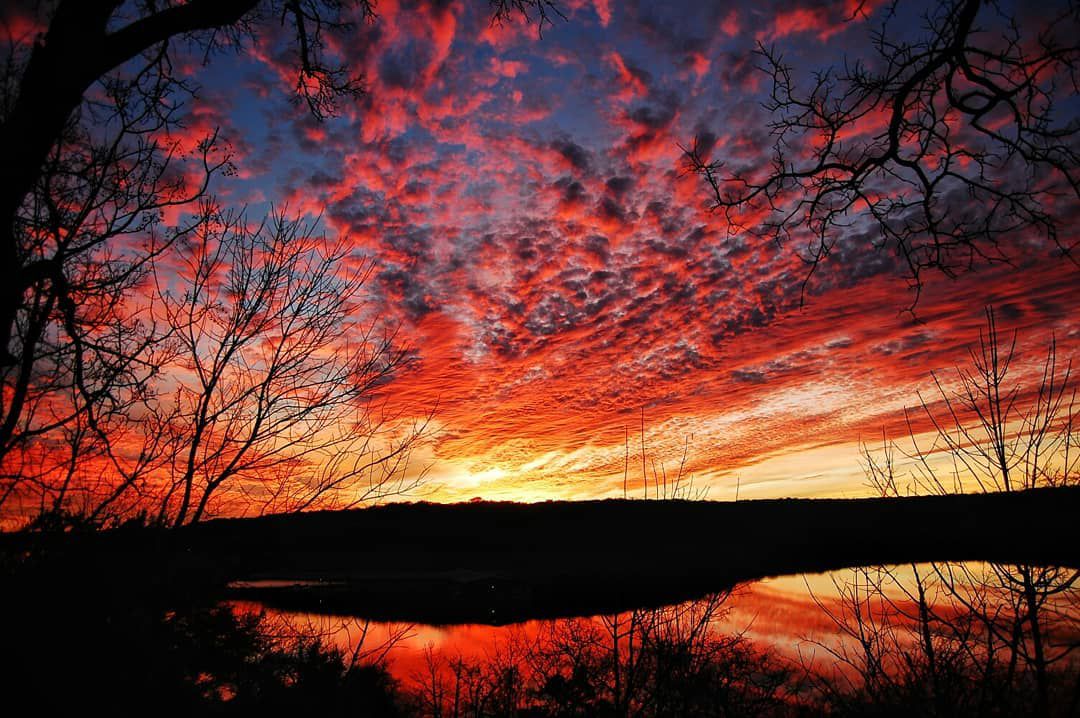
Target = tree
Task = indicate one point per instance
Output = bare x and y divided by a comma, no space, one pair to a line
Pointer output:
988,431
669,661
264,377
87,108
943,149
948,639
275,383
92,225
128,50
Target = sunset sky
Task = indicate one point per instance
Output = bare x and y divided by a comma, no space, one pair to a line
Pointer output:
557,272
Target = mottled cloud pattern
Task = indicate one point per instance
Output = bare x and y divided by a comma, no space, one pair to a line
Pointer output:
558,274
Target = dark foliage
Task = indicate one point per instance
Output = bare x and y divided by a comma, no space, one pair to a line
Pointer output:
87,636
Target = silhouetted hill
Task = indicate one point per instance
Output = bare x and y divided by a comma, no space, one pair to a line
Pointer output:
497,562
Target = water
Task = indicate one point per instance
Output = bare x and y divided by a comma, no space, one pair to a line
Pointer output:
950,639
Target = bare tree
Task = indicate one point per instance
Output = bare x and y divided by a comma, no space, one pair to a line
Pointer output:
1001,624
678,485
88,107
670,661
948,639
274,390
989,431
91,228
942,149
262,388
128,49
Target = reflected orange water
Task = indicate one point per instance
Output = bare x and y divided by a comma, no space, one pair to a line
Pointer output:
805,620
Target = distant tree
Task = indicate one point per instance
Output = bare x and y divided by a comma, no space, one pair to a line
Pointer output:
943,149
679,485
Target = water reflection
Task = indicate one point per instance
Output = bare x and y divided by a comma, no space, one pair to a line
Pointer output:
952,639
933,639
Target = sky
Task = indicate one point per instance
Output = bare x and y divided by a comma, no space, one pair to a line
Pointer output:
559,276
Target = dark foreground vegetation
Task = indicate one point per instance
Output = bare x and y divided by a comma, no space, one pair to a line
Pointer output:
133,617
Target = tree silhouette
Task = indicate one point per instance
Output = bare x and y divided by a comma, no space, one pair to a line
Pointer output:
85,352
87,108
944,149
274,386
988,431
91,41
127,48
670,661
947,639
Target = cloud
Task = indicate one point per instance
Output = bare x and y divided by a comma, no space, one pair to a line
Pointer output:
578,157
556,270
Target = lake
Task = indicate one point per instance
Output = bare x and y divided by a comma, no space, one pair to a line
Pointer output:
945,639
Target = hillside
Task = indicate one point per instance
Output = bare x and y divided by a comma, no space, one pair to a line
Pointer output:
501,562
497,562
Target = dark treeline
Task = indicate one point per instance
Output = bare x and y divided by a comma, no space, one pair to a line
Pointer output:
502,562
